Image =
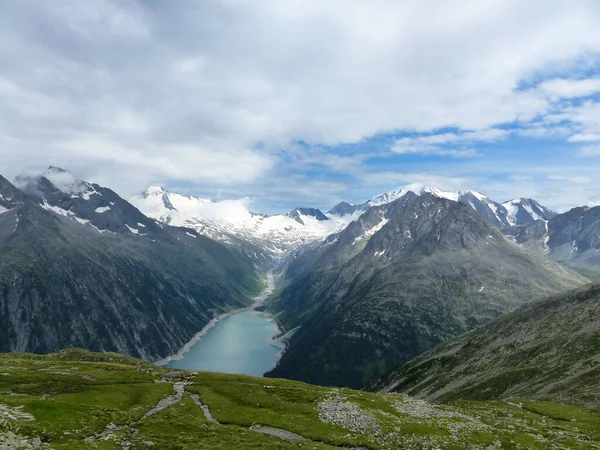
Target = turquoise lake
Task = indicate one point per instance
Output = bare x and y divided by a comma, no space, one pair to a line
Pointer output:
235,344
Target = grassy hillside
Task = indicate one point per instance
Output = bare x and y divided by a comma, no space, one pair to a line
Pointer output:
549,349
77,400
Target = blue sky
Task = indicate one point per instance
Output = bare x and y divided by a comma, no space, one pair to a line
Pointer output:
305,102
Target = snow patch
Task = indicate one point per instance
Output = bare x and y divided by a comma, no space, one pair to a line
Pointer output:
133,230
370,232
479,196
102,209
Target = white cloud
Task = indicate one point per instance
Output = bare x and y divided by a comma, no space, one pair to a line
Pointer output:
566,88
435,144
585,137
211,93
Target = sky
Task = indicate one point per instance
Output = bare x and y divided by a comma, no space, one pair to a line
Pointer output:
306,102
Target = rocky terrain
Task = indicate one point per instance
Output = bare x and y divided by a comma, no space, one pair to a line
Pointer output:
75,399
546,350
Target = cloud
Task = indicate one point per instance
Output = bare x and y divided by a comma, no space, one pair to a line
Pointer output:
214,94
585,137
436,144
566,88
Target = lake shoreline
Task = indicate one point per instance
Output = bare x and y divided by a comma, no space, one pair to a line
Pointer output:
258,301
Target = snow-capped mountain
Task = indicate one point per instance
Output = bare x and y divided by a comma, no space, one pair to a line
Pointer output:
523,211
512,213
297,214
86,203
232,220
259,236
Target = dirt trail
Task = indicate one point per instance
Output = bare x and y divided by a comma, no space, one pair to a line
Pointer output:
179,388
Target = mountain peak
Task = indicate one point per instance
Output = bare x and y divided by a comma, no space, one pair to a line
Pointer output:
153,190
526,210
64,181
298,213
8,192
454,196
55,169
343,209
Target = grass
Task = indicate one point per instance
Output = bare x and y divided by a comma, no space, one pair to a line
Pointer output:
74,394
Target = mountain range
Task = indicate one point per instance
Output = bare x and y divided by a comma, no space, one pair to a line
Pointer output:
362,288
266,239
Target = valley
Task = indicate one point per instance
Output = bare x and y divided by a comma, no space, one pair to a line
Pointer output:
357,291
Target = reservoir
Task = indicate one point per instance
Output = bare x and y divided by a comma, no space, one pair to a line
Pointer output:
240,343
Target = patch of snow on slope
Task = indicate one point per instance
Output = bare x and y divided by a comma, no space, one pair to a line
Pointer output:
64,213
103,209
56,210
370,232
512,207
479,196
133,230
3,209
531,212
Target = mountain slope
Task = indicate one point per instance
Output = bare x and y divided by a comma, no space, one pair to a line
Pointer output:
404,277
112,280
548,349
79,400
